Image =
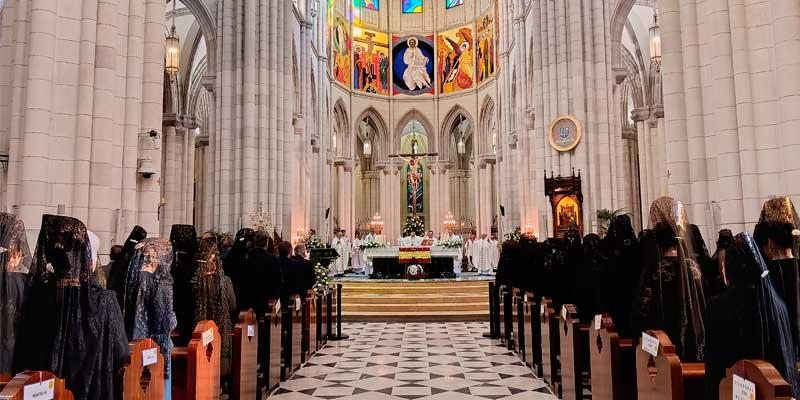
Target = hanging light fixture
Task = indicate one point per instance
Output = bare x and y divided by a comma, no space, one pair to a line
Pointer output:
461,146
173,48
367,148
655,39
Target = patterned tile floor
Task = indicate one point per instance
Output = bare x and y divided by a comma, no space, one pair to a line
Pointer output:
436,361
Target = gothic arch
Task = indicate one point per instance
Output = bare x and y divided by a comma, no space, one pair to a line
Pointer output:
341,131
208,26
379,138
449,151
415,114
621,12
487,127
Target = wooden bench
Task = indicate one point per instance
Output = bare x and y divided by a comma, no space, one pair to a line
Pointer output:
532,333
245,356
309,326
33,381
550,345
143,377
664,377
271,335
292,336
613,362
769,383
196,367
574,348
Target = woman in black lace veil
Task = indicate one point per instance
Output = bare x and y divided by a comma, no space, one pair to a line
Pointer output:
670,294
148,309
184,248
15,262
749,320
778,237
73,327
236,263
119,271
213,295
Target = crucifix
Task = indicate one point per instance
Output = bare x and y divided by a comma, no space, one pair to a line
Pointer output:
415,170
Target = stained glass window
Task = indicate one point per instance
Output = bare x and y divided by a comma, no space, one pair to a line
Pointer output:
412,6
454,3
368,4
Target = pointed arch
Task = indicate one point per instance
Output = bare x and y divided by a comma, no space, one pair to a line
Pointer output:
208,25
379,134
449,151
340,139
415,114
486,142
621,12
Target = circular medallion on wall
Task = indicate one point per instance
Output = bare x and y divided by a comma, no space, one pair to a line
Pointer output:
565,133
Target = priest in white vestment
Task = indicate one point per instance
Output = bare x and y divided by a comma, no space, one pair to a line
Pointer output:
411,240
341,244
493,250
357,255
479,253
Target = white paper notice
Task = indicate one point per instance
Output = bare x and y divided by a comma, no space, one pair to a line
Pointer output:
149,357
541,312
44,390
525,298
208,337
251,330
598,322
297,305
564,313
650,344
743,389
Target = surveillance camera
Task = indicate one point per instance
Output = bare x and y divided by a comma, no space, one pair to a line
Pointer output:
153,133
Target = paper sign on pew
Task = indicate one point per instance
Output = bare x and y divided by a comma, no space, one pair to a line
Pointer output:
649,344
251,330
743,389
563,313
543,308
208,337
598,322
44,390
149,357
297,305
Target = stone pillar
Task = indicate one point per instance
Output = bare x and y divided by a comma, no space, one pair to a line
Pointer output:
371,181
169,178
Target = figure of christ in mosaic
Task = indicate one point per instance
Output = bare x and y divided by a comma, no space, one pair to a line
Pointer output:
412,69
370,61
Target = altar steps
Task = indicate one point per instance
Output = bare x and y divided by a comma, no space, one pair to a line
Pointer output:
393,301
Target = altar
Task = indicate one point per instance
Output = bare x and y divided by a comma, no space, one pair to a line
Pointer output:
433,263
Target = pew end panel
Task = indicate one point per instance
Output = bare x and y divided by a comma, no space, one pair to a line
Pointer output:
550,345
612,362
273,330
664,377
769,383
533,334
143,378
16,386
573,347
292,336
196,367
514,326
245,356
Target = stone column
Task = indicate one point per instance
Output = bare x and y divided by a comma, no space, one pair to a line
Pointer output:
372,192
169,177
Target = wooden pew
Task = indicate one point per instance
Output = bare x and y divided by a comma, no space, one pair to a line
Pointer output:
613,362
15,389
664,377
271,355
309,326
143,378
550,345
493,321
4,380
769,383
532,333
196,367
292,336
516,299
245,356
574,358
332,313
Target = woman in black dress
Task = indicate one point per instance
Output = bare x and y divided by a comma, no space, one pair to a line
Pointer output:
15,262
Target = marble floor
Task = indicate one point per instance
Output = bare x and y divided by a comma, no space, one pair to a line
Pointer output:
395,361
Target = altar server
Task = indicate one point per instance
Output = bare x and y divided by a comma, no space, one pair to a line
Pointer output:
342,246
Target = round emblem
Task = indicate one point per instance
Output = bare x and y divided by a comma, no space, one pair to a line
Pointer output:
565,133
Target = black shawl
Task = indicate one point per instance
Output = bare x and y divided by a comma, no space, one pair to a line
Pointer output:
748,321
119,269
213,296
148,309
590,280
622,271
184,247
236,261
15,261
73,326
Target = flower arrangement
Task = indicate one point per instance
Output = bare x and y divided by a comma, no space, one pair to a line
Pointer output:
515,236
314,242
323,279
452,243
371,244
413,224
